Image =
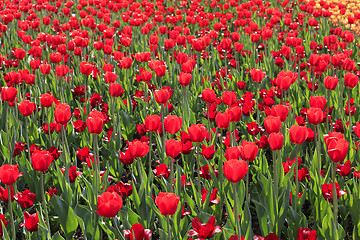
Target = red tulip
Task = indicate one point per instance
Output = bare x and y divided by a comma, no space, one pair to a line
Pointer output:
184,78
248,151
41,160
204,231
116,90
222,120
257,75
298,134
138,149
337,149
86,68
46,99
167,203
173,147
62,113
162,96
351,80
197,132
272,124
109,204
95,122
280,111
235,113
31,221
152,122
232,153
235,170
162,171
26,107
356,129
315,115
45,69
137,232
306,234
208,95
110,77
172,124
8,94
331,82
229,98
208,152
9,174
276,141
327,191
317,102
61,70
25,199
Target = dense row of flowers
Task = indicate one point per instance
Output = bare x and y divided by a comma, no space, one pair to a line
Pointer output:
179,119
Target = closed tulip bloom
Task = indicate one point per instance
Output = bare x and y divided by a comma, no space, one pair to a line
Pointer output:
351,80
356,129
172,124
116,90
248,151
95,122
9,174
257,75
152,122
45,69
315,115
276,141
62,113
61,70
46,100
86,68
31,221
317,102
337,149
222,120
173,147
162,96
167,203
331,82
235,113
197,132
184,78
41,160
8,94
208,95
235,170
110,77
229,98
298,134
272,124
26,107
109,204
138,149
232,153
280,111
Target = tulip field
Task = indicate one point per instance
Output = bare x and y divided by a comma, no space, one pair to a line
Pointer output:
171,120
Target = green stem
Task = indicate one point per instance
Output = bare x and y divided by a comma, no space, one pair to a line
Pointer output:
168,226
317,133
198,167
11,214
27,137
296,177
335,199
236,210
44,204
149,162
247,186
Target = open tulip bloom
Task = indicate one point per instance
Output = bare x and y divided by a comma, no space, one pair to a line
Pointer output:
182,119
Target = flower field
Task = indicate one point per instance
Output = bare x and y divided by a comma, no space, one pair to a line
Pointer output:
202,119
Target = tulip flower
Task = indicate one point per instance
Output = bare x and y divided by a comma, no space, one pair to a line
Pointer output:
109,204
204,231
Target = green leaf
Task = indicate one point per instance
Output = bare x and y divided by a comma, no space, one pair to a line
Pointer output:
67,218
